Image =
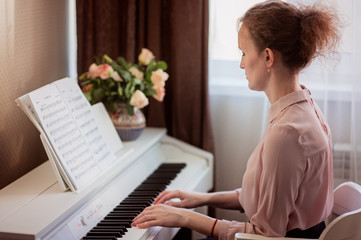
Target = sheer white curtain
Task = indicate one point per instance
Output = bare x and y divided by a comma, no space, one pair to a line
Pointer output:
335,82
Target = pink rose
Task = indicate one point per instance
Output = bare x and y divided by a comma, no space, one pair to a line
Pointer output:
145,56
93,71
159,92
136,73
159,77
116,77
138,99
105,71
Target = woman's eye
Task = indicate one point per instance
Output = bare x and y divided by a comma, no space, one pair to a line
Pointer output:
241,53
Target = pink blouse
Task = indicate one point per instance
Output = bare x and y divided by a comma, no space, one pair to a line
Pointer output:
288,182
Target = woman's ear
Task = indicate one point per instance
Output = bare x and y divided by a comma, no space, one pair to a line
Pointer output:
269,57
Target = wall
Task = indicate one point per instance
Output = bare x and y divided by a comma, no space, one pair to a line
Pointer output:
33,52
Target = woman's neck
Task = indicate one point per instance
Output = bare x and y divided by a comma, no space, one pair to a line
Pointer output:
282,82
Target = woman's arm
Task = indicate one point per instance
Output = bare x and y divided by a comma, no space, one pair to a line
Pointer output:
226,199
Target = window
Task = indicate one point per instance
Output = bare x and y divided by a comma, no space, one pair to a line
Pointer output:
225,57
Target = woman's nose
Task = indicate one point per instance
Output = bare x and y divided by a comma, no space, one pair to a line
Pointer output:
241,65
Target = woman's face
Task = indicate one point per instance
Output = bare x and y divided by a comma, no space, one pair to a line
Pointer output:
252,61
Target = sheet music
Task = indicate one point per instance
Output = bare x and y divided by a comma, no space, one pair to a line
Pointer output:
66,118
81,111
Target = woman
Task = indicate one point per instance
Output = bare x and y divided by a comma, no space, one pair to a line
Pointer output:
287,189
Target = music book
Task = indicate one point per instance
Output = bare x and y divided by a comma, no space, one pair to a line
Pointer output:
70,133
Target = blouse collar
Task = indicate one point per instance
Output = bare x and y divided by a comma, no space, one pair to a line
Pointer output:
298,96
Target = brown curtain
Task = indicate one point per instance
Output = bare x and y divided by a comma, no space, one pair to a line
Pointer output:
175,31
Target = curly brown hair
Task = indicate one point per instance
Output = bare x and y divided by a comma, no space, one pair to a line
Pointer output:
298,33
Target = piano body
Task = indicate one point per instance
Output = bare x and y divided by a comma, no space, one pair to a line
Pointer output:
34,206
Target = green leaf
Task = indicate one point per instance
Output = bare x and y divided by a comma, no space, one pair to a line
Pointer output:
111,83
151,66
130,109
132,89
97,60
120,90
97,94
127,76
162,65
107,59
147,78
88,96
123,63
137,81
83,76
84,83
149,92
112,106
127,90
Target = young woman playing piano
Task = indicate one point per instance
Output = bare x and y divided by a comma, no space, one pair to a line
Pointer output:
287,189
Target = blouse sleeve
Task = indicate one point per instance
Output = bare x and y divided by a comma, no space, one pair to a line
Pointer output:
281,173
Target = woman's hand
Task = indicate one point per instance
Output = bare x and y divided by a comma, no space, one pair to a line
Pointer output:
187,199
168,216
160,215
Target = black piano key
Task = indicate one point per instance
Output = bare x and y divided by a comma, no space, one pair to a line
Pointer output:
98,237
107,229
144,193
157,180
139,198
104,234
115,223
126,214
151,187
134,207
136,202
129,208
115,220
123,214
172,165
110,228
119,219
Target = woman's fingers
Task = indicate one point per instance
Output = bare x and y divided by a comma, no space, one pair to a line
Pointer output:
144,219
166,196
158,215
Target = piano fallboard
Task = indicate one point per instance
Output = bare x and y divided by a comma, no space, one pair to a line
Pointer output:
34,207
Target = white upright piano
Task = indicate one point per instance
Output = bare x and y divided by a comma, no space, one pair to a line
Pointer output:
34,206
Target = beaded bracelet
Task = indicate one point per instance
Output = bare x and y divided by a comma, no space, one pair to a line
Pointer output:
214,224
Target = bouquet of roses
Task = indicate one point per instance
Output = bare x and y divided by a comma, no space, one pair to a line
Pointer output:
113,82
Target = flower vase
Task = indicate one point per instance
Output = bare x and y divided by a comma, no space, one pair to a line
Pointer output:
129,127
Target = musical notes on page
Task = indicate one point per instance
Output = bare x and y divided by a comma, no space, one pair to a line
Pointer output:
66,118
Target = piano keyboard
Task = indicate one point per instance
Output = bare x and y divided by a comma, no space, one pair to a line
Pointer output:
34,206
116,223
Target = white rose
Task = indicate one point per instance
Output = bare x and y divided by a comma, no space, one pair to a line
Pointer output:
159,77
145,56
136,73
139,100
